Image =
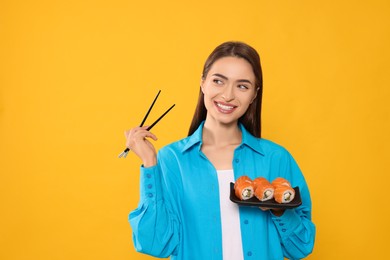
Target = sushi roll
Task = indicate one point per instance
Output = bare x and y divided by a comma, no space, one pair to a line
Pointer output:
280,181
244,188
263,189
284,194
260,181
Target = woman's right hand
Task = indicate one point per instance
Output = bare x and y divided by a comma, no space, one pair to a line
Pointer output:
136,140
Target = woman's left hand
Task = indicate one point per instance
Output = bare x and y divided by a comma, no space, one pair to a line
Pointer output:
276,212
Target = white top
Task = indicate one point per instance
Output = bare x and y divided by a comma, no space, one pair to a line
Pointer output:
230,218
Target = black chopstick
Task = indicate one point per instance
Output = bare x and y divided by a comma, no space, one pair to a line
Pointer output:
125,152
155,122
150,108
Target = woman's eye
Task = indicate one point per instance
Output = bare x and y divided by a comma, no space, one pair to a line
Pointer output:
217,81
243,87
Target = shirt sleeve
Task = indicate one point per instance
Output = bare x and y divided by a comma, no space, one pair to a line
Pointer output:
155,227
295,227
296,232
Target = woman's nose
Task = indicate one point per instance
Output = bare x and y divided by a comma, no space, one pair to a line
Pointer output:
228,93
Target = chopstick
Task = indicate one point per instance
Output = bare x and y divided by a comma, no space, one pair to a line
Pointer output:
127,150
155,122
150,108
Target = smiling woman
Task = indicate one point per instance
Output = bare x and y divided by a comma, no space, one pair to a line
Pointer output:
184,210
228,89
252,118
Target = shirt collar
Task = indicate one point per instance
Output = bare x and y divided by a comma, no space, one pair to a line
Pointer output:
195,138
247,139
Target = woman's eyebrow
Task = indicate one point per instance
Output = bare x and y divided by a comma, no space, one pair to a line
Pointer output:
220,75
245,80
226,78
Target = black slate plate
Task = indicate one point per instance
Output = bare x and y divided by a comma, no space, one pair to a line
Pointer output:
254,202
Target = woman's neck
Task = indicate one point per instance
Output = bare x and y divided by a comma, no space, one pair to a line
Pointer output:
215,133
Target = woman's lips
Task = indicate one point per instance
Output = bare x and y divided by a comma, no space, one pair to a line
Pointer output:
225,108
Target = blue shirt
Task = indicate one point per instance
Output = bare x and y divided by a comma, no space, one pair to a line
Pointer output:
179,215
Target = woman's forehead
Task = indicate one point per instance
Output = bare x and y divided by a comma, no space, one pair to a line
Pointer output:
233,68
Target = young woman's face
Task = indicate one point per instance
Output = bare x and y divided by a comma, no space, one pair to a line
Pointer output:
229,89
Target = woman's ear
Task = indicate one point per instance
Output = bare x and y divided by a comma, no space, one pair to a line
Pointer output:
201,84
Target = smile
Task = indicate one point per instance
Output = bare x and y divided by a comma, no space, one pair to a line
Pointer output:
225,108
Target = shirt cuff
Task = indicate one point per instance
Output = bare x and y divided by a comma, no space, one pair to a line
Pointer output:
150,187
286,223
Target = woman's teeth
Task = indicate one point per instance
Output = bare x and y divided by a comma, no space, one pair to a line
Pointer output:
224,107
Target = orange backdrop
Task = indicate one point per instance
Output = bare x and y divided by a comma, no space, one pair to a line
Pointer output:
75,74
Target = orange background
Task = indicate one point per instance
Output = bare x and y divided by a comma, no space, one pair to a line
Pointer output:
75,74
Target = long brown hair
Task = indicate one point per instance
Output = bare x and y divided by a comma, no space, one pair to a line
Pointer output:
252,117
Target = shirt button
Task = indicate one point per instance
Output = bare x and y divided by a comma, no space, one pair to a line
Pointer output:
246,221
281,224
284,230
148,176
249,253
237,160
150,186
150,195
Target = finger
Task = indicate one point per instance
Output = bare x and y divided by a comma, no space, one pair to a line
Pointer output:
133,130
144,133
140,138
151,135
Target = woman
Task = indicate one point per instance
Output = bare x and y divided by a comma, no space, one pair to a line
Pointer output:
184,210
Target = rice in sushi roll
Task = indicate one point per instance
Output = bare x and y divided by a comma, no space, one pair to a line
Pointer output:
284,194
244,188
263,189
